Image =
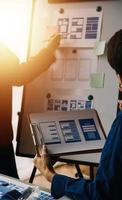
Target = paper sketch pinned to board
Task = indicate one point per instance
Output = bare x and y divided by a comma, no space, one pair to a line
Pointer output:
78,27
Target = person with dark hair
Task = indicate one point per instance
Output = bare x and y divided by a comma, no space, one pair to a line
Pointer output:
14,73
107,184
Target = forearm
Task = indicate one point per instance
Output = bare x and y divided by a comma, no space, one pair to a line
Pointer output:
33,67
49,176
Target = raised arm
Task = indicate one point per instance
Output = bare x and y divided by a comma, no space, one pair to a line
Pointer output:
17,73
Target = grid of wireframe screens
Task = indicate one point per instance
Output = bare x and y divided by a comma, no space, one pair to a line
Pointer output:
68,132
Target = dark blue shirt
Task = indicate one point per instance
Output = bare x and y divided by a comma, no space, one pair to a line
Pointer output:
107,184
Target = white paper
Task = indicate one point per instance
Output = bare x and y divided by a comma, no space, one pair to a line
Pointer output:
79,27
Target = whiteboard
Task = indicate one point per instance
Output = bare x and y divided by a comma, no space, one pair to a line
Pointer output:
34,92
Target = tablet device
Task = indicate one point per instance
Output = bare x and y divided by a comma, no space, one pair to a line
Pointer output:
68,132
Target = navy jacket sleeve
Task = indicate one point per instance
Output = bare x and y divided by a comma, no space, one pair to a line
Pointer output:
107,184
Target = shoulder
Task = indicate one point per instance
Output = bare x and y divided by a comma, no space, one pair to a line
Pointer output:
119,114
117,123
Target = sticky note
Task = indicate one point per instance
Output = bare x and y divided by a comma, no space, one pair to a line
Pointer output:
99,48
97,80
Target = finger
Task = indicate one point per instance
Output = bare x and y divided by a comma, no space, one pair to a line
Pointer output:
39,150
55,37
44,150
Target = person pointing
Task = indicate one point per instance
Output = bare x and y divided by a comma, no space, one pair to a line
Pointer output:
14,73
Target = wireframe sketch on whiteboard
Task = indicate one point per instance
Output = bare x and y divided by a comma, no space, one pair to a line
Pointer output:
79,27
